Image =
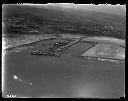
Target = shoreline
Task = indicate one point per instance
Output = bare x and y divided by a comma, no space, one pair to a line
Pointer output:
24,40
27,39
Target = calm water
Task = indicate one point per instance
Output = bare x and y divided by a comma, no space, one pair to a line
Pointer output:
67,76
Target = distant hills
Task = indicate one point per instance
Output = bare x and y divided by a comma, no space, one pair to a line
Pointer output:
64,20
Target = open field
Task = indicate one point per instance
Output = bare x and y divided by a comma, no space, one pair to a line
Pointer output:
40,45
24,39
106,51
108,40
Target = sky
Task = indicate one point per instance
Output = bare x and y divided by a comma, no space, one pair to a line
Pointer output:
112,9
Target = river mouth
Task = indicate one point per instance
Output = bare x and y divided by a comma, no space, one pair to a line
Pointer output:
69,75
